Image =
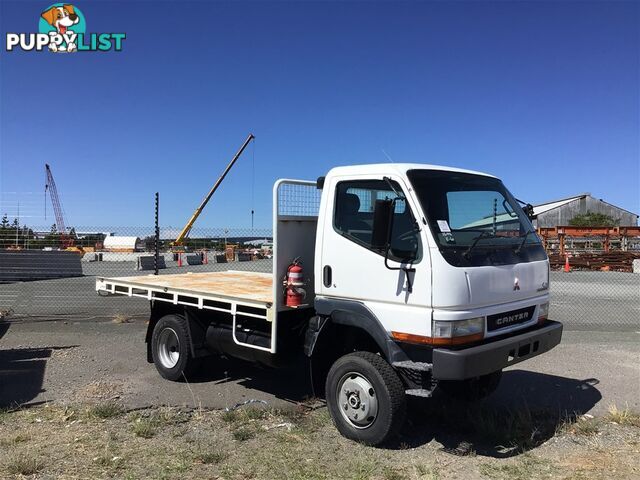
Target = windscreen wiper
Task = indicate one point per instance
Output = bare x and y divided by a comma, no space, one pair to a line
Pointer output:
484,234
524,239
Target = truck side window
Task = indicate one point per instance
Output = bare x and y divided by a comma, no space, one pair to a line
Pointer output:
353,217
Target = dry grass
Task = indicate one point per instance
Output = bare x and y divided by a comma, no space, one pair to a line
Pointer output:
14,440
623,416
210,456
23,464
104,441
525,467
244,433
145,427
106,410
582,426
122,318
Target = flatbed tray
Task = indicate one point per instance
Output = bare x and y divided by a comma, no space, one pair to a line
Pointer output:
240,287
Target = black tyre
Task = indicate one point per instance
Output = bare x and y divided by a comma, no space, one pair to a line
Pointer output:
472,389
171,348
366,398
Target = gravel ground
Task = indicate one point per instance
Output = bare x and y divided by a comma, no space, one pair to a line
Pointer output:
58,360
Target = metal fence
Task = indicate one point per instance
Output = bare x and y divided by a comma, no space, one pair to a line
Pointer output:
46,277
41,280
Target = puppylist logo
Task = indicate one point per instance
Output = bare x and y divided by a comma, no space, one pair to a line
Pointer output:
62,29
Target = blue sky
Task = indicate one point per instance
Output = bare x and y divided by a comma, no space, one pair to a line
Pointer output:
543,94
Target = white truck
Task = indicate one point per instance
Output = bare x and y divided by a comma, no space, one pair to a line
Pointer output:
416,277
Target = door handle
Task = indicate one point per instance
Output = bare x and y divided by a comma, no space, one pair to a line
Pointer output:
326,275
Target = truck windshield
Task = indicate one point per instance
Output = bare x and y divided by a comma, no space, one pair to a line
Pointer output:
475,220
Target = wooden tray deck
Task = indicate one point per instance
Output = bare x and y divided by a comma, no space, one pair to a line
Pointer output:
238,285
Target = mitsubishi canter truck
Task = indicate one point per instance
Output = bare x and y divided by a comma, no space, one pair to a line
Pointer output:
391,279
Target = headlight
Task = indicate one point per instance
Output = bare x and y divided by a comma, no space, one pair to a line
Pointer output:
456,332
543,312
458,328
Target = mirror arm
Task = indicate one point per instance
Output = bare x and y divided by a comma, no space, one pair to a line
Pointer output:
399,196
406,270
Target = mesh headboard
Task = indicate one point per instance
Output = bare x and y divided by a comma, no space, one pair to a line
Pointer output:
296,205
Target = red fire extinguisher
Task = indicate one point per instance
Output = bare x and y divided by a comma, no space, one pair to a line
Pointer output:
294,293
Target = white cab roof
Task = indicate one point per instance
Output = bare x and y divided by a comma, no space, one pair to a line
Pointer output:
398,168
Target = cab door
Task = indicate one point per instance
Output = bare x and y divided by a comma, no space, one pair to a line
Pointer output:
352,269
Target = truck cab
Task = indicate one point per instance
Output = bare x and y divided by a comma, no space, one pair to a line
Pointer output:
441,267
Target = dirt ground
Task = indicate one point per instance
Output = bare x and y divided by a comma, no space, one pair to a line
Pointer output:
78,400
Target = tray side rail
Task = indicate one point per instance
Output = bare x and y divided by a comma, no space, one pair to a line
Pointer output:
237,307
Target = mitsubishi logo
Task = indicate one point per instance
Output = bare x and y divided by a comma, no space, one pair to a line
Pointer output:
516,284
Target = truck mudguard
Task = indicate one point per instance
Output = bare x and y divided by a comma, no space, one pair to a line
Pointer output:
353,314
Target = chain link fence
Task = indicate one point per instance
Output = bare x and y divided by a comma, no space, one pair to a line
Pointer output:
48,277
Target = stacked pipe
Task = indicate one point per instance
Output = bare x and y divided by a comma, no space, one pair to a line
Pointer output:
612,261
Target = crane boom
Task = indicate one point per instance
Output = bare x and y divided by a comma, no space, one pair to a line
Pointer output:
65,239
187,228
55,201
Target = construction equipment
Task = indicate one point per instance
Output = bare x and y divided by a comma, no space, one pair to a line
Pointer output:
66,240
179,241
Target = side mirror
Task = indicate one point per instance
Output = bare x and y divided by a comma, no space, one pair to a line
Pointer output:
382,223
383,213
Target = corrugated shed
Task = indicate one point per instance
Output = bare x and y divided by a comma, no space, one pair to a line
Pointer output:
560,212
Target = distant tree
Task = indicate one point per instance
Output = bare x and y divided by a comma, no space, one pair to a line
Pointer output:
15,224
4,232
51,239
27,232
149,243
593,219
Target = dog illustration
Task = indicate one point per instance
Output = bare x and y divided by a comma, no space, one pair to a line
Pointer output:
61,18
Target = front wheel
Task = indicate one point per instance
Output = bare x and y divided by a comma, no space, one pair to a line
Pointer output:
366,398
472,389
171,348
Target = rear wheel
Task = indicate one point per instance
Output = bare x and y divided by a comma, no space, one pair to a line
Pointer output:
171,348
365,397
472,389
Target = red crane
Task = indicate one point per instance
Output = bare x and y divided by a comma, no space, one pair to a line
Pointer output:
65,239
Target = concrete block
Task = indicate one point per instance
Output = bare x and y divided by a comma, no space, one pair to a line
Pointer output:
147,262
193,259
636,265
26,265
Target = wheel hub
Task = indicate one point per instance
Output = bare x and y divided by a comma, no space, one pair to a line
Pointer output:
357,398
354,400
168,348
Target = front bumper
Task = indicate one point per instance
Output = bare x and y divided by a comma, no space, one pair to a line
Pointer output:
491,357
